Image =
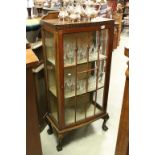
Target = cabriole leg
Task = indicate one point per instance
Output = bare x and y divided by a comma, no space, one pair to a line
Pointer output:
59,146
50,130
104,127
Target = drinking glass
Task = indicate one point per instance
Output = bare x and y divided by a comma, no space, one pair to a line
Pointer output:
82,86
79,55
70,56
92,81
66,47
68,83
100,76
91,51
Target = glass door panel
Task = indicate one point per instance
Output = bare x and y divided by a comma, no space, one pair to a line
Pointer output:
70,110
84,62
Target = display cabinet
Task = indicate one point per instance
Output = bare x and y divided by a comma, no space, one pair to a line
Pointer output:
77,59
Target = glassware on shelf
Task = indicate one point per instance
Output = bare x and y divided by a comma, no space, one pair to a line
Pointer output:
91,51
100,50
95,52
69,83
101,73
81,86
100,76
66,47
82,54
79,55
69,54
65,58
92,82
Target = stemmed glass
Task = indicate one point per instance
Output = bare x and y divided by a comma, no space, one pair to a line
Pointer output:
80,86
92,81
79,55
70,56
83,52
91,51
70,53
66,47
101,73
69,83
100,77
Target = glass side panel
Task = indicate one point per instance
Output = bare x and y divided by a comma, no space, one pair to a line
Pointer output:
51,79
50,53
53,106
50,47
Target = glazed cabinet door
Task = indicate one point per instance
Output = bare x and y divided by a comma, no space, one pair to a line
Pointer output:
84,66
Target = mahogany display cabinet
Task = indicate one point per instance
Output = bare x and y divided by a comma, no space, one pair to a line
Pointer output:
77,58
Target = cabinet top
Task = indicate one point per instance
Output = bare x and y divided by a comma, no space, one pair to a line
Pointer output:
57,24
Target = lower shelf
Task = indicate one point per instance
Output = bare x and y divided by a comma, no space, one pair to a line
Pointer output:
91,88
81,113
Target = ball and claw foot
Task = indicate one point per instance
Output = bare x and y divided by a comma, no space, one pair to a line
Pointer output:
104,127
59,147
49,131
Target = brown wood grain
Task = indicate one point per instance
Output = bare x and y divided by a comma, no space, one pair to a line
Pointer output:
33,143
122,146
30,56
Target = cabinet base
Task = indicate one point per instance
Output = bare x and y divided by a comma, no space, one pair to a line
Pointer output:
60,133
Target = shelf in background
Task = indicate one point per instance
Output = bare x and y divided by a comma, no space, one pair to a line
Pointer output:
53,90
51,61
36,44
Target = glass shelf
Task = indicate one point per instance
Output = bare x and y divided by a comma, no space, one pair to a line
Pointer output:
91,59
72,93
90,89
